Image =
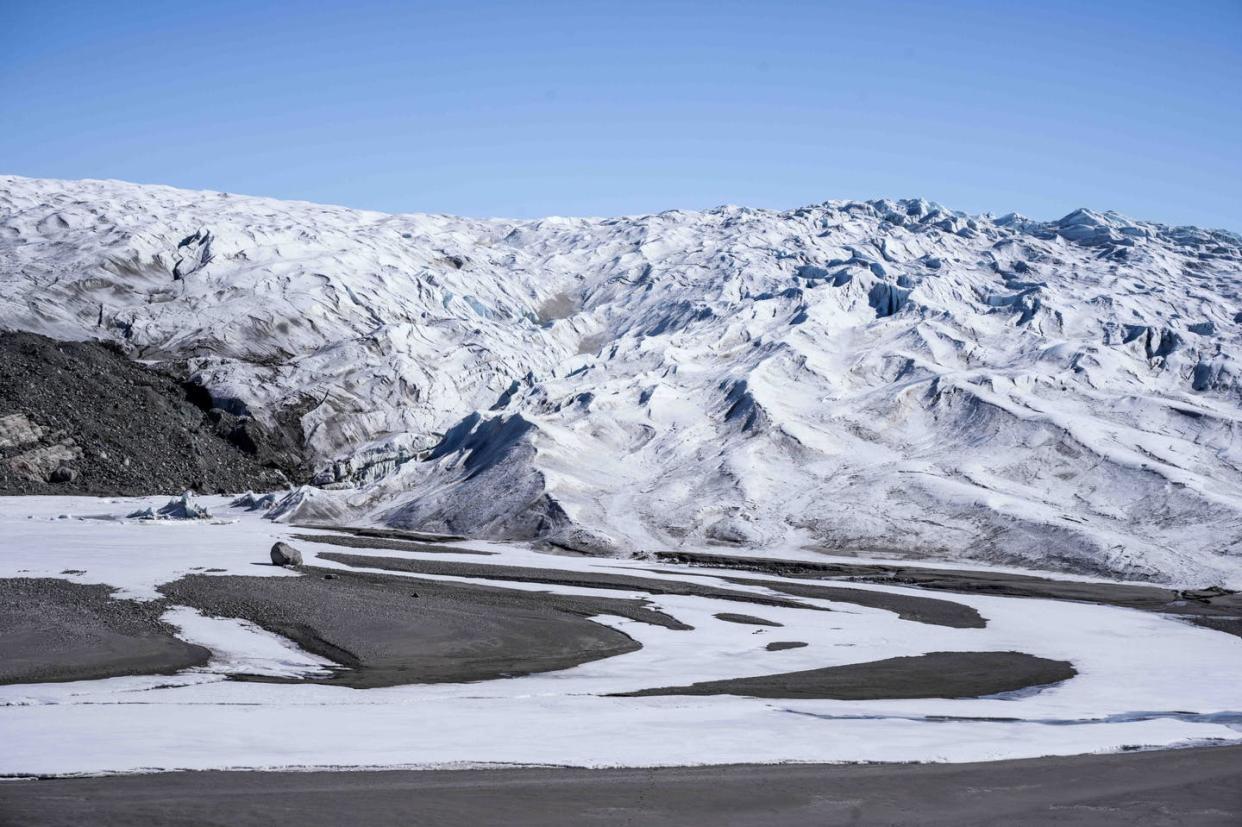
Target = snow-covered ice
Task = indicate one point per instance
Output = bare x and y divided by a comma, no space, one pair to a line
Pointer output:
884,376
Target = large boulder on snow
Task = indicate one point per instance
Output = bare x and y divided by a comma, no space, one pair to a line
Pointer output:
284,554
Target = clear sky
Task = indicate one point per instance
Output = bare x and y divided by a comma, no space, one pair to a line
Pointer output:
585,108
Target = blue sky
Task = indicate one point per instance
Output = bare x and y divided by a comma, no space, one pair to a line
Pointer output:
583,108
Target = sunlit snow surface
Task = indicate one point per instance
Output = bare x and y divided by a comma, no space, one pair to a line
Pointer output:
887,375
1144,680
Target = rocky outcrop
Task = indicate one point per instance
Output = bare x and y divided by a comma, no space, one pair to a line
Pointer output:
81,418
47,464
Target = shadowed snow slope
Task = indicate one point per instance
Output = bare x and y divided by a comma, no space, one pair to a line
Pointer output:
879,376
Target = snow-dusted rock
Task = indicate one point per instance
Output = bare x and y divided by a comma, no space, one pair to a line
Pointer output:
884,376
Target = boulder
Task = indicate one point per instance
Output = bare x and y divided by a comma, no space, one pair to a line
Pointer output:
284,554
64,473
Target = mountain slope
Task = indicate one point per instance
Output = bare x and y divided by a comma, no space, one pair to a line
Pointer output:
886,376
79,418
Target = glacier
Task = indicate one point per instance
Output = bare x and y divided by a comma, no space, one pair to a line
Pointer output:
880,378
